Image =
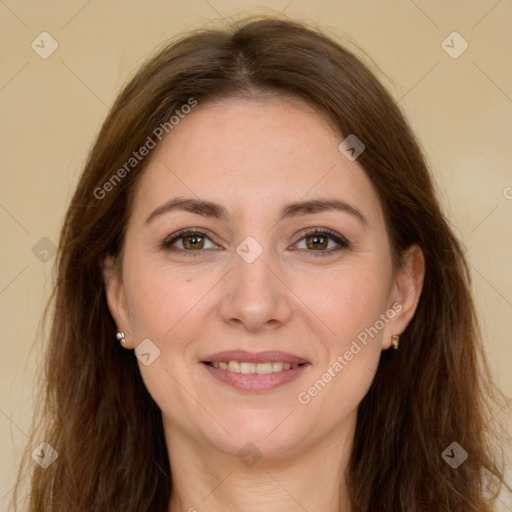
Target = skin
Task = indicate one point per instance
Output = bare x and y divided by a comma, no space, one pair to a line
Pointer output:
253,157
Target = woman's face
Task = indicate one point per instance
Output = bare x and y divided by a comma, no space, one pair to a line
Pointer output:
256,280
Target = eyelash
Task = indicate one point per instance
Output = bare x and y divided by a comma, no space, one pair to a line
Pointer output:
327,233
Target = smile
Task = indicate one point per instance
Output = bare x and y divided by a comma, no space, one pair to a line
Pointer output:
248,367
254,372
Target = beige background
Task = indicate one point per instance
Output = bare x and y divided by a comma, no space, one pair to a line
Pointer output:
51,109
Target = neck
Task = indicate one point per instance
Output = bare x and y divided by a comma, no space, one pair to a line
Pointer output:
309,479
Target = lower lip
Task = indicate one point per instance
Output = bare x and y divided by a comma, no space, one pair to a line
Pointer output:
255,382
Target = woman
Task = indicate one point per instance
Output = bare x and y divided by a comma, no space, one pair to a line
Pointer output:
259,303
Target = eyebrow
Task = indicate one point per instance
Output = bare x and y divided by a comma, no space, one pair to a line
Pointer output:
210,209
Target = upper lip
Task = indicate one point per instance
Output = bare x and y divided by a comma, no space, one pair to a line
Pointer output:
267,356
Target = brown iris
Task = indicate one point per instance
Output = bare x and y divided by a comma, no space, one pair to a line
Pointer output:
192,240
316,245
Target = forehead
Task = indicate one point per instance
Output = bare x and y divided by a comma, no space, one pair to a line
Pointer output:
254,155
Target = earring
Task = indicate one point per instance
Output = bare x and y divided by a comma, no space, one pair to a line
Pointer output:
394,340
120,337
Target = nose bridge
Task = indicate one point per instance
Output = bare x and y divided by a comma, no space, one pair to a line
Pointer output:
255,296
252,265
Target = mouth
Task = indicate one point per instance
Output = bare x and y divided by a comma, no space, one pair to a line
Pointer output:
248,368
250,372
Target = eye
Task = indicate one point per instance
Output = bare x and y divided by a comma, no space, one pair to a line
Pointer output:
190,241
317,240
193,242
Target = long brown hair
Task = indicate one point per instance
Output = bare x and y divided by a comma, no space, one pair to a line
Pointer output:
435,390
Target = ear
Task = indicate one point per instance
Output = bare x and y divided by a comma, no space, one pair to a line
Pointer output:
405,292
116,298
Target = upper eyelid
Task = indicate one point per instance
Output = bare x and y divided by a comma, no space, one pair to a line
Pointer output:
186,231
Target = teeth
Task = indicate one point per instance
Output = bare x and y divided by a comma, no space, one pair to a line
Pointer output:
277,367
259,368
234,366
247,368
263,368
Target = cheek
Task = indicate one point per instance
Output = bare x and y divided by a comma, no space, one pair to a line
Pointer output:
163,305
346,300
160,298
349,304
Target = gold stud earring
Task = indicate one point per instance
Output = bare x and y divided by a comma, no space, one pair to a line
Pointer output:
394,340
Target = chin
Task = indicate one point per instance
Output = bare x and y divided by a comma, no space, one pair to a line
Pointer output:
273,434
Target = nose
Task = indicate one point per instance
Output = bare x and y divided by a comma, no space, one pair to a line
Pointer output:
255,296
